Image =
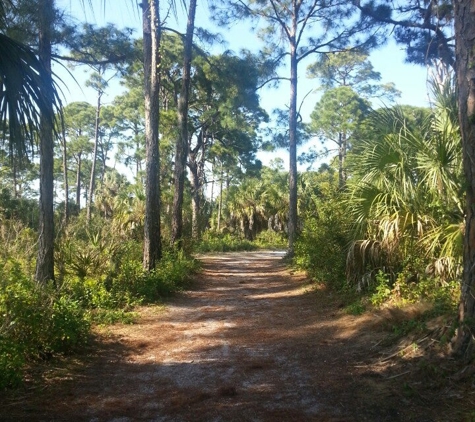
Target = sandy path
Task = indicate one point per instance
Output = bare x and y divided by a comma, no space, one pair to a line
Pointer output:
249,342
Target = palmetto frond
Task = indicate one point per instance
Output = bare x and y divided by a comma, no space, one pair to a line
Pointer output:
405,192
25,94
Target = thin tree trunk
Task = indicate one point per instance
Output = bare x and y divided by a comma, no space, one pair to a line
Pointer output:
94,158
195,200
151,41
465,57
220,206
341,160
45,257
66,183
293,144
78,182
182,142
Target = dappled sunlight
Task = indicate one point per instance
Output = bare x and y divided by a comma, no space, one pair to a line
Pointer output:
279,295
268,349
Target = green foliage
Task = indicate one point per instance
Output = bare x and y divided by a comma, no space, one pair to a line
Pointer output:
404,195
35,322
270,239
18,209
111,316
381,289
356,308
320,250
100,280
17,241
218,242
126,284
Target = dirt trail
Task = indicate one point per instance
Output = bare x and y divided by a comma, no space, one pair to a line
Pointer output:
249,342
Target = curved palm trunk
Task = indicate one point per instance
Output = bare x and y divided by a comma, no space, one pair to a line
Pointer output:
465,57
151,40
182,142
45,257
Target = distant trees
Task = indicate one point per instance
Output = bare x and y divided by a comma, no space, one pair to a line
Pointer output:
102,50
349,81
336,116
297,30
79,125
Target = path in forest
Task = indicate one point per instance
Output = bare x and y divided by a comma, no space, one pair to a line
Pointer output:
249,342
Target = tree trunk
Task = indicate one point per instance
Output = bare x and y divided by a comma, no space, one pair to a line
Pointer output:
293,145
78,182
94,157
220,203
66,183
182,142
16,193
252,225
45,258
341,160
465,71
195,200
151,41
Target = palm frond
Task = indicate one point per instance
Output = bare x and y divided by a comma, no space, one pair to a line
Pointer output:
25,94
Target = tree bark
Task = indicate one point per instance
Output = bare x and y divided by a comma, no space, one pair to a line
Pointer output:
465,71
342,148
292,234
182,142
66,182
195,200
151,40
78,181
94,158
45,258
220,203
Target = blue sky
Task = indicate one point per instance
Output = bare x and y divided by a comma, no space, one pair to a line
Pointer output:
411,80
388,60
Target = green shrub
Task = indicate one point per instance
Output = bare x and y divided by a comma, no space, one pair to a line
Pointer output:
129,285
321,248
12,362
270,239
112,316
217,242
100,280
35,322
171,275
381,290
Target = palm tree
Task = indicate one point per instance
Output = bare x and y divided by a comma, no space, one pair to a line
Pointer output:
24,94
405,190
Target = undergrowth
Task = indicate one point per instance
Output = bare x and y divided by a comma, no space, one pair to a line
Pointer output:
100,280
219,242
321,251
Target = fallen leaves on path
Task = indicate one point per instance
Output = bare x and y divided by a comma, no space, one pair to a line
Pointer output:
249,342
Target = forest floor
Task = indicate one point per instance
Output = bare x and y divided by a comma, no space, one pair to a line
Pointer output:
251,341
